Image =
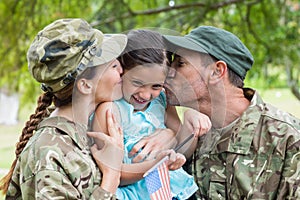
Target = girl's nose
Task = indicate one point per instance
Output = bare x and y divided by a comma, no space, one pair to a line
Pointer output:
146,95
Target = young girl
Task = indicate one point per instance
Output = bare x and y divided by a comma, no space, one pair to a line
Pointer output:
142,112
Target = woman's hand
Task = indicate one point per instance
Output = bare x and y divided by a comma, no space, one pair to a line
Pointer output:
109,153
148,147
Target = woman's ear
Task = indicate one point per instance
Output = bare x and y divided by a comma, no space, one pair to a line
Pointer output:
218,72
84,86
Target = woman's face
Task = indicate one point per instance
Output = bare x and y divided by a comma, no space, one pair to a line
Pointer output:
109,86
142,84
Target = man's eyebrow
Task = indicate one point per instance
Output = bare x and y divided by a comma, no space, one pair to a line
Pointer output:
177,56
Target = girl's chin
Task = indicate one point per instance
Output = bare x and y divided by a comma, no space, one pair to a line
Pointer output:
139,107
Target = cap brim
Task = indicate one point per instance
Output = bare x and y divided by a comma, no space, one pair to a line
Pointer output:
111,48
174,42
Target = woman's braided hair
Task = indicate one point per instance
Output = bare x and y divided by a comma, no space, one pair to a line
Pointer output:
54,61
44,101
60,98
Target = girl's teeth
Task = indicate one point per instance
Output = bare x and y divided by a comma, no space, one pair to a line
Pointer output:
141,101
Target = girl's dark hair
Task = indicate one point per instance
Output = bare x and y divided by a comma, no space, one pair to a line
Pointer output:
143,47
45,100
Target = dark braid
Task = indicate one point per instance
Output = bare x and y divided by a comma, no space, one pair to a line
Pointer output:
44,101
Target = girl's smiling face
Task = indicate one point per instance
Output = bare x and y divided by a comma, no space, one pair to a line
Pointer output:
142,84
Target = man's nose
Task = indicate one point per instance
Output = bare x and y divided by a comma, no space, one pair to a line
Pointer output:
171,73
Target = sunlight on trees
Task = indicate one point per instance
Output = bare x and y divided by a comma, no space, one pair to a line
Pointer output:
270,29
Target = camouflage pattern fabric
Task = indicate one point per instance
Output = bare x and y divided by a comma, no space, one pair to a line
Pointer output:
57,164
255,157
66,47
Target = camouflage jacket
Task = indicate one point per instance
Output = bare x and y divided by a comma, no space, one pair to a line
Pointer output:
255,157
57,164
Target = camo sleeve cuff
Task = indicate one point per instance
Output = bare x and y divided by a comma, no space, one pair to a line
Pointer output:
102,194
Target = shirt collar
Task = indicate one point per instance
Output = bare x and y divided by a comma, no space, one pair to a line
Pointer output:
237,137
76,131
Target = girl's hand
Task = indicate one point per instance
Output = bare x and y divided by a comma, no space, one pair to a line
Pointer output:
196,122
175,161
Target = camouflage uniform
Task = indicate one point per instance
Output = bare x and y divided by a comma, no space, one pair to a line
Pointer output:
57,164
255,157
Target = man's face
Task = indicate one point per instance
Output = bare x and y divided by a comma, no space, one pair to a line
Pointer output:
186,83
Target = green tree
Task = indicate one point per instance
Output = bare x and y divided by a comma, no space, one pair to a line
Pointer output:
20,21
269,28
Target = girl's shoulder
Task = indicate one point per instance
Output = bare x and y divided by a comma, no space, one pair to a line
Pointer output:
100,113
161,99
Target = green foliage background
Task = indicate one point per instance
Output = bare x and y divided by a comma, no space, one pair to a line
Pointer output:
269,28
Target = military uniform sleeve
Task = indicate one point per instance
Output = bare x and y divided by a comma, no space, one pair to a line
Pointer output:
58,165
55,185
100,193
290,182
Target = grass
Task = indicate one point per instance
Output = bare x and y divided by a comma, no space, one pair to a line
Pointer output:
281,98
9,135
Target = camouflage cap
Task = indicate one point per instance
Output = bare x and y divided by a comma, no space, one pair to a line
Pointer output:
217,42
66,47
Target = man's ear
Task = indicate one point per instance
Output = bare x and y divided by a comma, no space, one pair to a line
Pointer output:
218,72
84,86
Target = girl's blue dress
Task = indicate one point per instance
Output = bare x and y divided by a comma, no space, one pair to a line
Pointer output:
137,125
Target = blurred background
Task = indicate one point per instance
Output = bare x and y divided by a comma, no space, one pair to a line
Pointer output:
269,28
